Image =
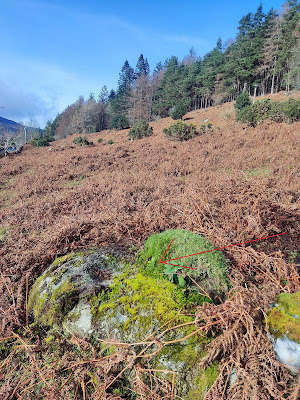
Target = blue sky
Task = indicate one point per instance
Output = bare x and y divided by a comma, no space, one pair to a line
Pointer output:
54,51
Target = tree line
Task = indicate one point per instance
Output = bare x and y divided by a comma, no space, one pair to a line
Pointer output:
263,58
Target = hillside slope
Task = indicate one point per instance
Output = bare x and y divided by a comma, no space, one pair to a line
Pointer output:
8,126
233,185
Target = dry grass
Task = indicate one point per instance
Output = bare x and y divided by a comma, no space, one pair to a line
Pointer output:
58,199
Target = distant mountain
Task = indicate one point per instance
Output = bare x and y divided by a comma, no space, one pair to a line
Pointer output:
8,126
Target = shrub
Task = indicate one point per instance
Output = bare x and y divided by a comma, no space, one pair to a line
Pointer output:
119,122
100,140
242,101
82,141
278,111
247,115
292,109
110,141
179,131
262,109
140,129
206,128
42,141
179,111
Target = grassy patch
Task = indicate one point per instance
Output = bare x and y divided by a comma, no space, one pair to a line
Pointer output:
75,182
7,197
260,171
3,234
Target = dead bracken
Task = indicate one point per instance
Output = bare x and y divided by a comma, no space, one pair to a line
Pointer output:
203,186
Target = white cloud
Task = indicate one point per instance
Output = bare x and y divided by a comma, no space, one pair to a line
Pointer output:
20,105
31,89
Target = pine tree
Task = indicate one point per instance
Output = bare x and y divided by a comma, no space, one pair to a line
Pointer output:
49,131
91,96
295,61
126,78
142,67
147,67
120,104
112,95
291,17
158,69
245,25
258,18
219,45
266,70
171,88
103,95
190,58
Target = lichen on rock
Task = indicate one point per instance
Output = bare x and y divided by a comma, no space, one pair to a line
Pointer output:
63,290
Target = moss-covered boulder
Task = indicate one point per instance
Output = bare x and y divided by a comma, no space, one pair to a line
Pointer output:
60,296
97,295
138,307
210,267
283,321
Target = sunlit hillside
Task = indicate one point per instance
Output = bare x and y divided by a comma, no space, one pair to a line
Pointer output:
232,185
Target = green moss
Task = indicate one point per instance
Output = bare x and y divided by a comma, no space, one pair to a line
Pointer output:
6,347
141,297
285,319
204,380
3,234
49,339
290,303
280,323
212,265
141,290
149,304
74,182
54,294
61,260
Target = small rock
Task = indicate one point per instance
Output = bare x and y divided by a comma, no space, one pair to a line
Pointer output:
288,352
